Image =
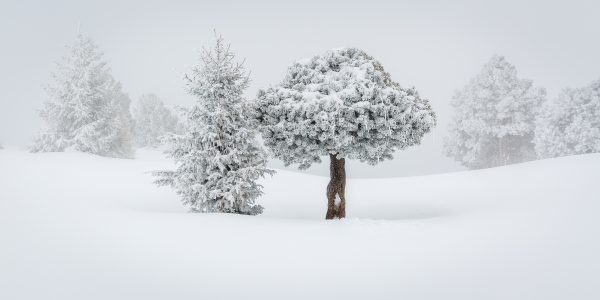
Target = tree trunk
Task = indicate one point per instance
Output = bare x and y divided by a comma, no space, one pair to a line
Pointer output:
336,200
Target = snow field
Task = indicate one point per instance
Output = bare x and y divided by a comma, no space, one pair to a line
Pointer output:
78,226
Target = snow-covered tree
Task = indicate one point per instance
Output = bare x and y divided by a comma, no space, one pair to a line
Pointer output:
87,110
570,124
494,118
218,158
153,120
340,104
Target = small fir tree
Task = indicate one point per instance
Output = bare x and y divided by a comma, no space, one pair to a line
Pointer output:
153,120
218,158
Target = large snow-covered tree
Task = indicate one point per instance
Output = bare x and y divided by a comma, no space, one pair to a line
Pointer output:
87,110
340,104
494,118
570,124
218,157
152,120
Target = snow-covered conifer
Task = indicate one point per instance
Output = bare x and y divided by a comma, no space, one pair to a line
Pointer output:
153,120
87,110
218,158
494,118
340,104
570,124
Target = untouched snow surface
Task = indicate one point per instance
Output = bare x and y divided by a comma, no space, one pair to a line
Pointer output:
78,226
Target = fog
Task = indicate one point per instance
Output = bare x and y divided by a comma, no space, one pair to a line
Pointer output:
435,46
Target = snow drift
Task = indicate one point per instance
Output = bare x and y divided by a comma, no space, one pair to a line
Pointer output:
78,226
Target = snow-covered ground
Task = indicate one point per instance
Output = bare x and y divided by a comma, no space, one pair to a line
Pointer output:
77,226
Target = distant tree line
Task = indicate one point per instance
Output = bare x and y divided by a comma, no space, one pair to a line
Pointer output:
500,119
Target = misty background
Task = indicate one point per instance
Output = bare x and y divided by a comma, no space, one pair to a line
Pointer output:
435,46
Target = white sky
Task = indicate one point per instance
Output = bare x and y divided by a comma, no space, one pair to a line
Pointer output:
435,46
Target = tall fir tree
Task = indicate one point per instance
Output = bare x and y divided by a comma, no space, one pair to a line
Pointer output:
87,110
218,157
494,118
570,123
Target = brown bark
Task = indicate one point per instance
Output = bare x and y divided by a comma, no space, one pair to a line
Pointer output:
336,189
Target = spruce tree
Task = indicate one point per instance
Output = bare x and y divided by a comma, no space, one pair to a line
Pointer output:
87,110
218,158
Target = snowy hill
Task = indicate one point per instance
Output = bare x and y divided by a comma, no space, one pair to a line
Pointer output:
77,226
